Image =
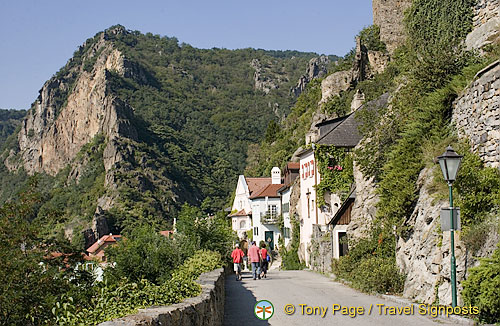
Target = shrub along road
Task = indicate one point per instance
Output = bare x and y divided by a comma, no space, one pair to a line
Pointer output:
314,290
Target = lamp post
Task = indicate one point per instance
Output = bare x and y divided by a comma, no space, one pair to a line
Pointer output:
450,163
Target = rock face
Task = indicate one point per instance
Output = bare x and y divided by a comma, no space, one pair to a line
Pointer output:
264,79
48,140
364,208
317,68
334,84
388,15
53,133
476,114
378,61
486,24
425,255
365,65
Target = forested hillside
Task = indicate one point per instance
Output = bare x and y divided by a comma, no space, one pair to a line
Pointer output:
166,124
9,120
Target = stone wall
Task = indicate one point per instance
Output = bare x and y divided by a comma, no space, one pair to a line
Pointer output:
207,309
485,24
476,114
388,15
320,250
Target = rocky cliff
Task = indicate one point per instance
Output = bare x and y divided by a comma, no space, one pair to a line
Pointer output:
317,68
51,136
135,125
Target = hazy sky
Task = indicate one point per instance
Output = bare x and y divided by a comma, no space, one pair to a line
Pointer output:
38,37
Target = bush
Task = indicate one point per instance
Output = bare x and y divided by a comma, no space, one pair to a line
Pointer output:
290,258
378,274
123,298
144,254
482,288
211,233
370,265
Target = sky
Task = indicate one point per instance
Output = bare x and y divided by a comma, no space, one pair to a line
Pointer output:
38,37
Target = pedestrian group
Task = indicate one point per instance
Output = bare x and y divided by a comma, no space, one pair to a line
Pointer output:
258,257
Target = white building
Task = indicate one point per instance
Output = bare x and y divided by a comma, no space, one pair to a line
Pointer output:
266,209
291,172
257,207
310,213
241,220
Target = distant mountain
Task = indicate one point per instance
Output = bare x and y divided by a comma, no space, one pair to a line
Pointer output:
135,125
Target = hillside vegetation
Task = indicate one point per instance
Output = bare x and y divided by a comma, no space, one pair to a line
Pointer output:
196,111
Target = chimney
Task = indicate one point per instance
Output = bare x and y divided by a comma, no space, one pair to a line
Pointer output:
276,176
357,100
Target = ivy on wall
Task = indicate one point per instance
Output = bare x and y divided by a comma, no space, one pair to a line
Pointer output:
335,165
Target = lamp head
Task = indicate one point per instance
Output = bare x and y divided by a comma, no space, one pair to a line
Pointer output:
450,164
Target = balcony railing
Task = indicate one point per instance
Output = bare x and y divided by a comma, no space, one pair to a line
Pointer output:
268,218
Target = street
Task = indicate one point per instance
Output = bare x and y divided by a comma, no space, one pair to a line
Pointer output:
306,290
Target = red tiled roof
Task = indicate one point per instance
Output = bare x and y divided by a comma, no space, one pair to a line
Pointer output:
106,238
268,191
166,233
240,213
255,184
293,165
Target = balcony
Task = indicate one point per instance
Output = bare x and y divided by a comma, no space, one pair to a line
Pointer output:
269,218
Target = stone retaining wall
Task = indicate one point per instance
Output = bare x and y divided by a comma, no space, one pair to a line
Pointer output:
476,113
203,310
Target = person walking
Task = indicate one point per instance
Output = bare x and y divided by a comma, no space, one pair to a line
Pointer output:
237,256
264,262
255,258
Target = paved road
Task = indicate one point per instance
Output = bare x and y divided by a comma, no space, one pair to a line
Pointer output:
304,287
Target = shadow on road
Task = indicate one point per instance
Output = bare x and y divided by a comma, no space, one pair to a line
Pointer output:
240,303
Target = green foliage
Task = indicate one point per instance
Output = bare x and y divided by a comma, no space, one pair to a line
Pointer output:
290,257
114,300
9,120
477,187
370,37
199,108
291,136
145,254
404,158
32,278
272,131
335,167
482,288
370,265
435,29
210,233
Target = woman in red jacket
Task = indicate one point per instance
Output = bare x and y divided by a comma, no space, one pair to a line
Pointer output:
264,262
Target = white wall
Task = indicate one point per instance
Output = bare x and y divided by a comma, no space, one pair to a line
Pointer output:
310,214
285,199
259,205
241,200
236,225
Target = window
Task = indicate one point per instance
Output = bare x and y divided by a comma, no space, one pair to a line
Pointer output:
272,211
286,207
286,233
343,248
256,231
243,224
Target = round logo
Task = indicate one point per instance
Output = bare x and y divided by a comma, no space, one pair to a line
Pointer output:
263,310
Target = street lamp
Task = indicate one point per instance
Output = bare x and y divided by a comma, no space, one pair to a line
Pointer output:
450,163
